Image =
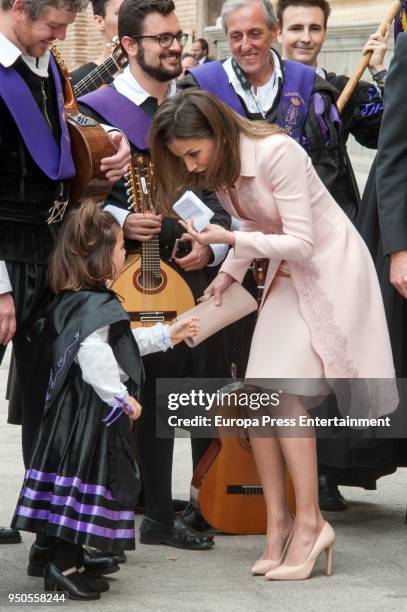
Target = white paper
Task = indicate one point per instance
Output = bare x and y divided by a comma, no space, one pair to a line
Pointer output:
189,206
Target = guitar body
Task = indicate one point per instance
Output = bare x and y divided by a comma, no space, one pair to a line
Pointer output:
90,144
226,487
152,297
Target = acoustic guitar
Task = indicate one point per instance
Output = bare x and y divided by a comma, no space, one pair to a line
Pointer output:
226,487
89,145
104,72
151,289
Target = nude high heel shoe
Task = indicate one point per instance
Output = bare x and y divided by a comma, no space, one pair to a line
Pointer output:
325,542
262,566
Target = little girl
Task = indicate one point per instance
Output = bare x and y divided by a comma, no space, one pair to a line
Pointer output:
82,481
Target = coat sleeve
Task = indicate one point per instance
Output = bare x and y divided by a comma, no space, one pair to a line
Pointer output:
323,137
362,115
367,113
391,172
283,165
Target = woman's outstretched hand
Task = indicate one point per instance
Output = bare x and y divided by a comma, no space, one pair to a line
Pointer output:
188,328
219,284
212,234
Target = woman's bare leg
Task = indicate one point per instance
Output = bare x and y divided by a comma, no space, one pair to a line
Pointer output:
301,458
271,468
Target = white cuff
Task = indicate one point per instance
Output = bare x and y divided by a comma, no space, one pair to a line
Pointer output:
219,253
165,339
120,214
5,285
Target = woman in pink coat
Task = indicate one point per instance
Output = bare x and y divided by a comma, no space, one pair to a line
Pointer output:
321,316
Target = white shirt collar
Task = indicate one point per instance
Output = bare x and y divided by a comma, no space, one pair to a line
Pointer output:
9,54
126,84
263,99
321,72
202,60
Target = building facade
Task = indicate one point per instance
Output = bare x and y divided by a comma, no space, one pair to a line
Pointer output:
350,24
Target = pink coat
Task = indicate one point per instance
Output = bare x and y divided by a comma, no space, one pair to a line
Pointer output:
288,215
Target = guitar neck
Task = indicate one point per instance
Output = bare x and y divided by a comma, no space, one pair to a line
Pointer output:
97,77
150,257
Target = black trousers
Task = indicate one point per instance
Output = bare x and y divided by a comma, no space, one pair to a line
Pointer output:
30,296
155,454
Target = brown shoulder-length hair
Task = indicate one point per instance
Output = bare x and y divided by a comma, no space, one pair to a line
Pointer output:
82,255
195,113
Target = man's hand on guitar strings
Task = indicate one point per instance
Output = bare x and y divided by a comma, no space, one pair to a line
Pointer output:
142,227
115,166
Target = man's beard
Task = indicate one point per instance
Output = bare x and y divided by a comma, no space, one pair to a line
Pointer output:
160,74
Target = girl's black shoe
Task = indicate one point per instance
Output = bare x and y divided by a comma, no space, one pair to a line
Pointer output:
75,585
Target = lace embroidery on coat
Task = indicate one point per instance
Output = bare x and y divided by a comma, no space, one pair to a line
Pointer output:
331,342
60,366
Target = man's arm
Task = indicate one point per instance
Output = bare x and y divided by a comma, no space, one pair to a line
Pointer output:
323,135
391,173
362,116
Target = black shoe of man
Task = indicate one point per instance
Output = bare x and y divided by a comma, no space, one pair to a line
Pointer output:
194,519
178,535
330,497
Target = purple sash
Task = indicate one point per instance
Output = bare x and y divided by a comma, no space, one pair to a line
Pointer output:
213,78
121,113
292,109
296,92
55,161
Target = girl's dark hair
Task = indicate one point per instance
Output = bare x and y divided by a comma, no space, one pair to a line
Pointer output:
82,255
195,113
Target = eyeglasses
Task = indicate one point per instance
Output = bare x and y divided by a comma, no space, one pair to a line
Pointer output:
166,40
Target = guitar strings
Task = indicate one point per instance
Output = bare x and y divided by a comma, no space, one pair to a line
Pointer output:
110,67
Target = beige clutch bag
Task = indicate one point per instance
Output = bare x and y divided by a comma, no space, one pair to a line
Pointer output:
236,303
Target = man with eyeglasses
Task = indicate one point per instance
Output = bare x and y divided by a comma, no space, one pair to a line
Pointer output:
152,39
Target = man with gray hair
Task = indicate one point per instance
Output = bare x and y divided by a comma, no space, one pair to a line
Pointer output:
258,84
35,164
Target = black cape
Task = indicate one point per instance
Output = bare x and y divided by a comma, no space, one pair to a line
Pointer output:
82,481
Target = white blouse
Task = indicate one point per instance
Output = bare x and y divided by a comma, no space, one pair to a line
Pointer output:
99,366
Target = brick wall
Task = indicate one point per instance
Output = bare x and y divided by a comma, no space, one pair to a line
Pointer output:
82,43
186,12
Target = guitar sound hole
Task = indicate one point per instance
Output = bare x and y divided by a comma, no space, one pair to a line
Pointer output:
149,282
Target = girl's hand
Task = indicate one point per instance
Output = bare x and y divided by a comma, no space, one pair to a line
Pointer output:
212,234
135,406
219,284
188,328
